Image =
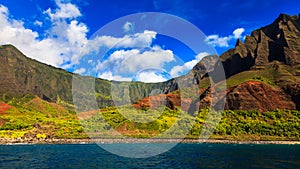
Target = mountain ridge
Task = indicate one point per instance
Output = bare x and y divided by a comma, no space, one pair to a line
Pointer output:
265,45
22,76
270,56
276,46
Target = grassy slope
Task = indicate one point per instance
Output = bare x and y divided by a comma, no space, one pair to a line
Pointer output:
32,117
274,74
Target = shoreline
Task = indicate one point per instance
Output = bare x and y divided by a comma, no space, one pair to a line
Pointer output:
9,141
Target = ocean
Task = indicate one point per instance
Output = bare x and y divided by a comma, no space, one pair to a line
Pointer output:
184,155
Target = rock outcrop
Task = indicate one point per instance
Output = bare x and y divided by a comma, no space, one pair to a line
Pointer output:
274,44
170,100
259,96
277,41
4,107
249,95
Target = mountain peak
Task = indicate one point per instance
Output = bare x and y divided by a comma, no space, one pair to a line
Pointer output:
12,53
286,17
238,43
278,41
283,17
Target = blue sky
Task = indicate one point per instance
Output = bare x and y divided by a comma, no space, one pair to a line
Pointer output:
52,31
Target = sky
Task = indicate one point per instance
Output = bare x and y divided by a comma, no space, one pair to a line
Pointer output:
73,34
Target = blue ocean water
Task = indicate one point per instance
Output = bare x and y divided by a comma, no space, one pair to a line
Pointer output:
185,155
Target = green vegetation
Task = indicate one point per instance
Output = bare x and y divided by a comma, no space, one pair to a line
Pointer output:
31,117
237,125
22,75
110,120
273,74
41,136
39,119
253,125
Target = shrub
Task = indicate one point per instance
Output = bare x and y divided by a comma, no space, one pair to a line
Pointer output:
41,136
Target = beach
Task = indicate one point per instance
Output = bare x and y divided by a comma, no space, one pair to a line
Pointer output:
8,141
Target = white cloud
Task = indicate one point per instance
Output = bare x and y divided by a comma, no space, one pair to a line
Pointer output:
124,64
3,10
128,27
238,33
134,60
64,11
68,32
76,32
177,70
13,32
61,44
149,77
138,40
38,23
109,76
80,71
180,69
216,40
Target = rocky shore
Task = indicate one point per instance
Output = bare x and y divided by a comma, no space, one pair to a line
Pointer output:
9,141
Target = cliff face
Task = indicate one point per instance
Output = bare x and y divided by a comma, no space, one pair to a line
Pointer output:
257,95
20,76
274,49
264,70
250,95
277,44
278,41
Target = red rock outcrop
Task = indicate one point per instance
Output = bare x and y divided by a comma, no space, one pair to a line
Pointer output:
170,100
259,96
249,95
4,107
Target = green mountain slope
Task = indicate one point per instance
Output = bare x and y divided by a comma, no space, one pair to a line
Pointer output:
21,75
